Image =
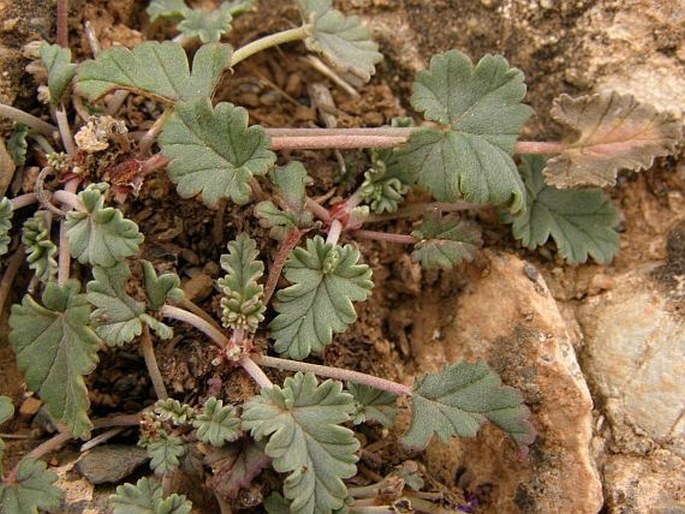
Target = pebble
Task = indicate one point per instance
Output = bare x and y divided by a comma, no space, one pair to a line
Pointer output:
30,407
110,463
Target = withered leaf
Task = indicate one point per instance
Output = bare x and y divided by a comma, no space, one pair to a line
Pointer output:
613,132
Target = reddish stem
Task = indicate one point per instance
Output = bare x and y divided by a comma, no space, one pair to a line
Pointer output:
291,240
63,23
383,236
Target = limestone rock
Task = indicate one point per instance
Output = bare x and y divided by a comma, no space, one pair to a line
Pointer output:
506,315
110,463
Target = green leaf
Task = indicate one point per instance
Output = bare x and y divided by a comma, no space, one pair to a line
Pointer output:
31,489
55,347
172,410
217,424
209,26
100,236
17,144
302,422
385,182
242,304
41,251
6,214
291,181
157,70
372,404
482,106
213,151
174,10
445,242
165,453
146,498
57,60
162,289
277,221
276,504
341,40
459,399
612,131
236,465
6,409
326,280
580,221
117,316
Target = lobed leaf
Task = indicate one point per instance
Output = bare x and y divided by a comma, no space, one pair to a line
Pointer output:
612,131
302,422
218,424
291,181
157,70
17,144
341,40
326,279
482,106
174,10
57,60
100,236
6,214
445,242
279,222
236,465
40,250
31,489
213,152
372,404
208,26
242,304
385,182
178,413
459,399
55,347
162,289
165,453
276,504
117,316
581,221
146,498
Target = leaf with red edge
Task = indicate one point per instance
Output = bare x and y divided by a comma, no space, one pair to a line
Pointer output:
235,466
613,132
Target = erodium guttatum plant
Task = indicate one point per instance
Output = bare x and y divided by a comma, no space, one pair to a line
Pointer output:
461,149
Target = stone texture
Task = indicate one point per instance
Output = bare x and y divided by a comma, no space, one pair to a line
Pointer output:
110,463
506,315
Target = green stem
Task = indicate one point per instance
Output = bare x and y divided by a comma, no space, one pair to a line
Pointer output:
287,36
29,120
336,373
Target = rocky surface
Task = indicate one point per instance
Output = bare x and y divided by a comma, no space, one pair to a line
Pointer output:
505,314
111,463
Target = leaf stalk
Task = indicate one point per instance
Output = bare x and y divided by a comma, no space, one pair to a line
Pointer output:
279,38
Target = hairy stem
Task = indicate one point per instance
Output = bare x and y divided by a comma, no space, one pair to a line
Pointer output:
336,373
540,147
291,240
169,311
154,163
62,23
287,36
65,131
29,120
23,200
322,141
149,137
317,210
64,259
190,306
151,364
417,209
334,232
384,236
255,372
70,199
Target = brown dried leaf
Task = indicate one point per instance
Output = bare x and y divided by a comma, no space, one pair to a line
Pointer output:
7,168
614,131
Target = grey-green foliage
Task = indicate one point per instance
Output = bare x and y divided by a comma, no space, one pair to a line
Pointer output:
444,242
172,410
385,182
302,424
31,489
55,347
290,182
6,213
581,221
165,452
160,289
17,145
40,250
6,413
99,235
325,279
242,302
158,70
213,152
146,498
372,405
218,423
481,106
57,60
459,399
